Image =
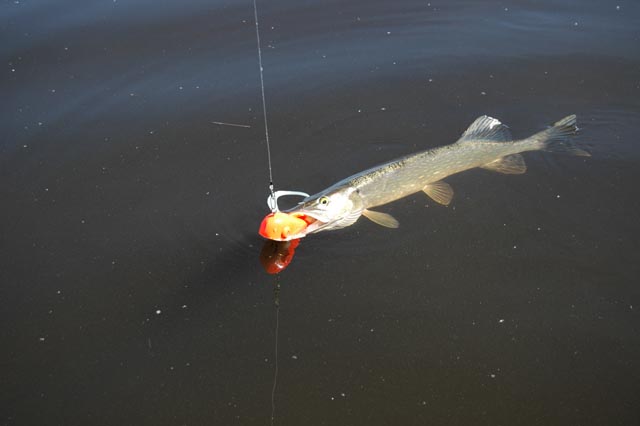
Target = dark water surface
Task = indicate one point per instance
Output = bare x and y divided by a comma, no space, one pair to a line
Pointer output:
131,292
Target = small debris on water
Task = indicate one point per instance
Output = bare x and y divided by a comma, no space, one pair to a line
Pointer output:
222,123
158,311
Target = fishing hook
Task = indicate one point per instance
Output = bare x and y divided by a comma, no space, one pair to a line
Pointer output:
272,199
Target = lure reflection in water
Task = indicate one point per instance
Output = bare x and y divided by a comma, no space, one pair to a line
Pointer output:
277,255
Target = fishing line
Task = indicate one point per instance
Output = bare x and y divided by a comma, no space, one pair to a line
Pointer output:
274,207
264,102
276,294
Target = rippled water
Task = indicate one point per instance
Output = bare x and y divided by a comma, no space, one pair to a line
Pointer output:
131,287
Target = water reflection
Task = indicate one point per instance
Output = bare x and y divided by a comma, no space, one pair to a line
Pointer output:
276,256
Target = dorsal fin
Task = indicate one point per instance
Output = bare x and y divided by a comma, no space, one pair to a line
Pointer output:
486,128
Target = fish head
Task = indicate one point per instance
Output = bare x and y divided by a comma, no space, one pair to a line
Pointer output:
329,209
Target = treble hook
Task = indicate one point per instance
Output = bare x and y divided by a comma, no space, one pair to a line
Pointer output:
272,199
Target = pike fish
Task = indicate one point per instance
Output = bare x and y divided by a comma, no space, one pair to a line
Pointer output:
487,144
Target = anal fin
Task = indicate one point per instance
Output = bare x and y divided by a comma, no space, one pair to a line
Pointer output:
440,191
510,165
380,218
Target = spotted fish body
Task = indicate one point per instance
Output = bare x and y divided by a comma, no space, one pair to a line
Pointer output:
487,143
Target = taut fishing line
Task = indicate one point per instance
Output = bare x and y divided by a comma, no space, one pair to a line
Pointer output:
264,101
272,200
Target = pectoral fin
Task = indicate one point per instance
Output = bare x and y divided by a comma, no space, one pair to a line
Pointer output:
510,165
441,192
380,218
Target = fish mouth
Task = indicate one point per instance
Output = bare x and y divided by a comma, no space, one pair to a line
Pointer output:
313,222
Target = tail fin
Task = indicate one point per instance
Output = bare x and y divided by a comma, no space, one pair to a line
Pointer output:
556,138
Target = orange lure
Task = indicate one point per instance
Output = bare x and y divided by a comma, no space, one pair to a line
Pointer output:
280,226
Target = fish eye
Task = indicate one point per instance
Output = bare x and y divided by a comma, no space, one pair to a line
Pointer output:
323,201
